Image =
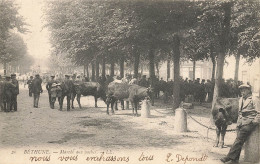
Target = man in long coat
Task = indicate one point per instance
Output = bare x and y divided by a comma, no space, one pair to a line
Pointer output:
36,90
48,87
15,92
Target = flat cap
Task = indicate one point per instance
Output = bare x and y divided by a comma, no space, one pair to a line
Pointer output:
13,74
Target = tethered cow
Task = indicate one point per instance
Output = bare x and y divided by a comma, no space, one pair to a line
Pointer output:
120,91
88,89
225,112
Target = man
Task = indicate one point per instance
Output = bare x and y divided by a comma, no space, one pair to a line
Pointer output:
248,119
67,86
29,82
15,92
36,90
143,82
48,87
8,88
209,90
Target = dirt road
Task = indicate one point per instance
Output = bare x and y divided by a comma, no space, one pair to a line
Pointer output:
91,131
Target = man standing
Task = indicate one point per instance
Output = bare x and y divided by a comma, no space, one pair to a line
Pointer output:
15,92
36,90
8,88
248,119
66,91
29,82
48,87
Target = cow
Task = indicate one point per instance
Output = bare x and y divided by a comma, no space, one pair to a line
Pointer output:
224,113
87,89
120,91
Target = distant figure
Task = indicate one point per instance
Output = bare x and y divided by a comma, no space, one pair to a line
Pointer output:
48,87
29,82
15,92
36,90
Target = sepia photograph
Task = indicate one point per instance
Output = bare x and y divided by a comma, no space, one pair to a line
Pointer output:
129,81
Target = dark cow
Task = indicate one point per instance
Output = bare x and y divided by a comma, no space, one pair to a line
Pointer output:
87,89
120,91
225,112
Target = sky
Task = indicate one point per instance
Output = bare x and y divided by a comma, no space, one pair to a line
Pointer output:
37,39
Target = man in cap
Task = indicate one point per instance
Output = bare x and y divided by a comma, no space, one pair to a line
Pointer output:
48,87
36,90
248,119
8,88
67,87
15,92
29,82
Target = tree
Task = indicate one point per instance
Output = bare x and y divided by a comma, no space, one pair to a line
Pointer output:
9,19
245,23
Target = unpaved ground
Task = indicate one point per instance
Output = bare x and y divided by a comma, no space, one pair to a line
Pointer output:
92,130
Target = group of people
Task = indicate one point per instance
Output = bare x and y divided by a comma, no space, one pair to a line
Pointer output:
9,89
190,91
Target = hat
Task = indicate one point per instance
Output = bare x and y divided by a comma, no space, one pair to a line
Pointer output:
31,76
244,86
67,75
37,74
52,75
13,74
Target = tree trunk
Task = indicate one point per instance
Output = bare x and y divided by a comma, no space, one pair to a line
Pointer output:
223,49
93,71
97,70
168,68
213,69
122,62
87,70
84,70
157,69
104,67
112,69
176,61
5,71
136,64
151,66
237,67
152,71
194,70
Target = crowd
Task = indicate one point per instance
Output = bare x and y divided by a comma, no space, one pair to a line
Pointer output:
9,89
190,91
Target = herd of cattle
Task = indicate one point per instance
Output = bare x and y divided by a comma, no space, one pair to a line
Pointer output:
110,94
225,111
